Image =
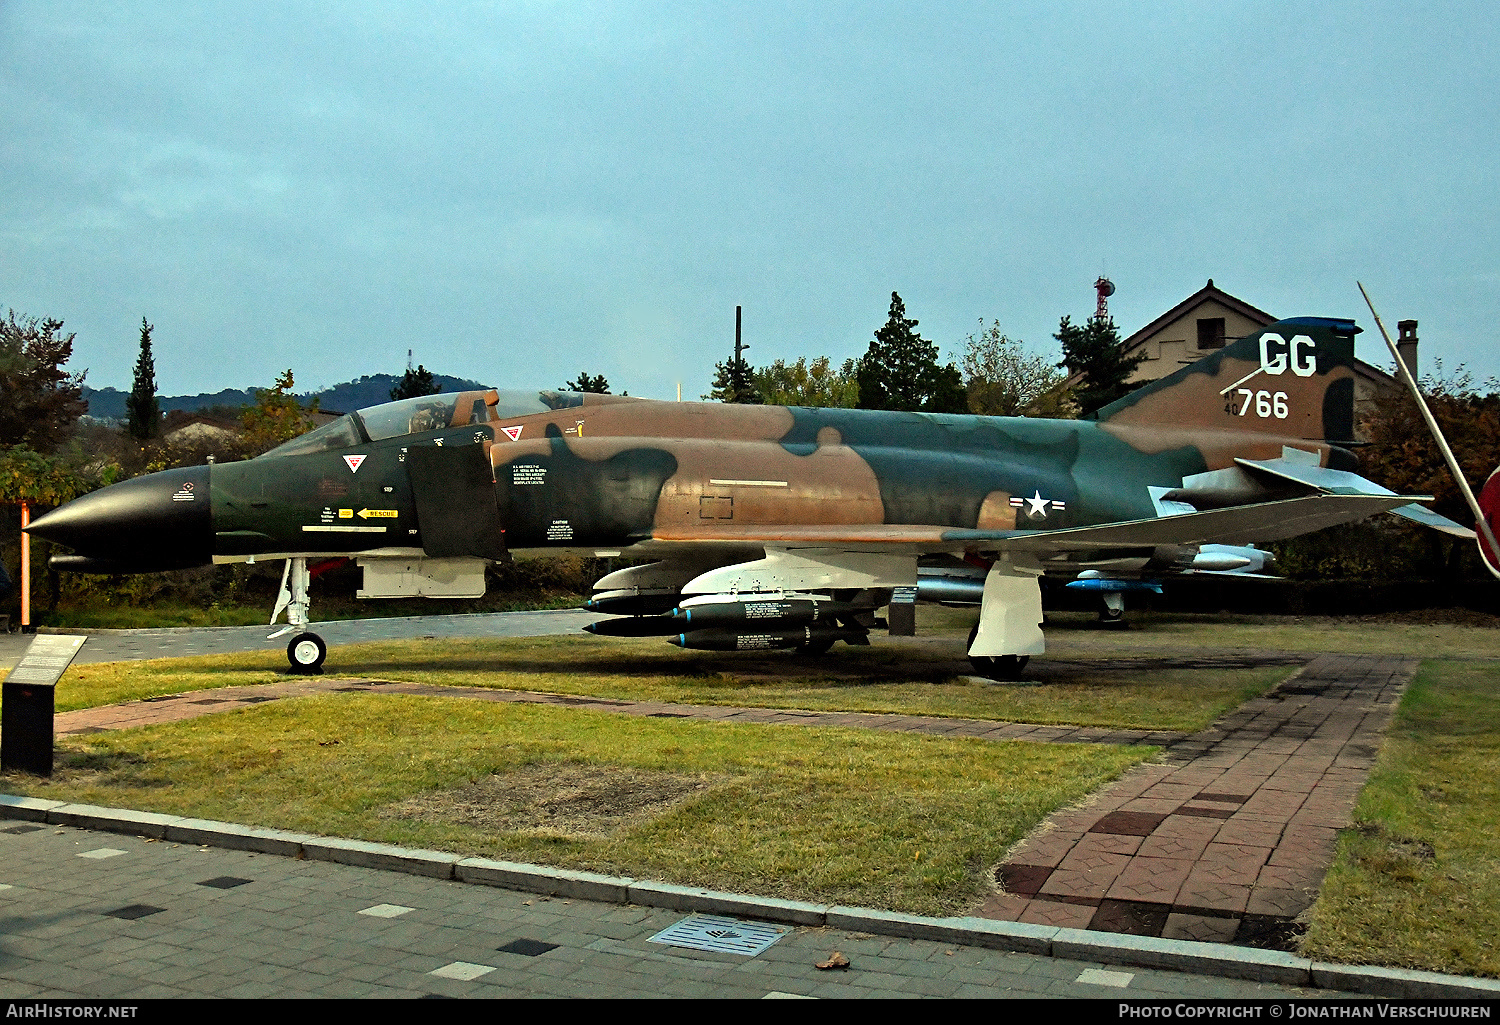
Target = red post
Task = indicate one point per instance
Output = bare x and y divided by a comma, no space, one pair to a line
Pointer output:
25,566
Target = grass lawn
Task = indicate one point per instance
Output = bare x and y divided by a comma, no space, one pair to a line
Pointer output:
1440,634
917,676
1417,883
909,823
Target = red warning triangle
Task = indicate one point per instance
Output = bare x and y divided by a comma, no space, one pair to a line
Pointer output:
513,433
354,462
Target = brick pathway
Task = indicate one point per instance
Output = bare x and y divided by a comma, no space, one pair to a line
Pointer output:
1229,840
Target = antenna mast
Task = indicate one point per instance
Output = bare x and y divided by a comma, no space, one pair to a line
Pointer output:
1105,288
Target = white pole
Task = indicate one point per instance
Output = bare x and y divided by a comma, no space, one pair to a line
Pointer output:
1437,434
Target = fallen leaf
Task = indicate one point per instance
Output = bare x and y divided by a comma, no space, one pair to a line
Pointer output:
835,960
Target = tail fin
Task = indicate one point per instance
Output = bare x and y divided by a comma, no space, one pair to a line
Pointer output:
1294,379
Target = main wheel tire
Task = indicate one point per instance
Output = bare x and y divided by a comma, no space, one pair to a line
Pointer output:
306,653
996,667
999,667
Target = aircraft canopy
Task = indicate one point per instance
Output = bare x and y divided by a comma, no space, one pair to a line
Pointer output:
423,414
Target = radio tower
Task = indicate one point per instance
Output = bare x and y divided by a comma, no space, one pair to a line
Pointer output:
1105,288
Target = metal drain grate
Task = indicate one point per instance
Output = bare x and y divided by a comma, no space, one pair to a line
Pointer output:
721,935
131,912
526,947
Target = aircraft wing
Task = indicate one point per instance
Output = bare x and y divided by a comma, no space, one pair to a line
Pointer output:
1245,524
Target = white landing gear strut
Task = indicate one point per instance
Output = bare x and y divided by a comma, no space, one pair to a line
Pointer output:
1009,631
305,651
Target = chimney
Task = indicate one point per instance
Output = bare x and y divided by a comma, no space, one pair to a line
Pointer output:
1406,345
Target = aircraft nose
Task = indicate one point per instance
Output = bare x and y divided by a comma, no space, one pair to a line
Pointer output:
156,522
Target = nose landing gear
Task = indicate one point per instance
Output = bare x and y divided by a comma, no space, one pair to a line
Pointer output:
306,651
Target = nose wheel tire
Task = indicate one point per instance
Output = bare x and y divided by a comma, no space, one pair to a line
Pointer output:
306,653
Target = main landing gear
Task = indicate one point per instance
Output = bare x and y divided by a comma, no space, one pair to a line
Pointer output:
1113,612
305,651
996,667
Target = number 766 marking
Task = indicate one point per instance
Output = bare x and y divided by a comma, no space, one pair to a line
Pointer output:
1267,404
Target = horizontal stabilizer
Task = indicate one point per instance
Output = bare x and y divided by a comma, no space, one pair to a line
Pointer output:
1425,516
1246,524
1342,482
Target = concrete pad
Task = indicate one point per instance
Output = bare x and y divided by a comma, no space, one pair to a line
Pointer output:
28,809
1183,955
556,882
692,898
435,864
230,835
1401,983
113,820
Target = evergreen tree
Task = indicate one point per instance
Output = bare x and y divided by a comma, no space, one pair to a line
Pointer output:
40,402
900,370
1092,350
734,381
142,409
415,382
596,385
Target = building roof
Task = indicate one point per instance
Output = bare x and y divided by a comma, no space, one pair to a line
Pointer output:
1208,291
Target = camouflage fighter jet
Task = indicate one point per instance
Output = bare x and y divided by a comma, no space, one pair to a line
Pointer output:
772,526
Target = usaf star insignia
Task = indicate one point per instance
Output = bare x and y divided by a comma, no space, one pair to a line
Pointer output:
1036,506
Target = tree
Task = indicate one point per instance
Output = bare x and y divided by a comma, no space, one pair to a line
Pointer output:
734,381
596,385
28,476
1092,351
413,383
276,417
900,370
1402,454
39,401
1003,379
808,384
142,409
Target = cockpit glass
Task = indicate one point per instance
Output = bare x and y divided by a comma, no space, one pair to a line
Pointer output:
426,413
408,416
436,412
341,433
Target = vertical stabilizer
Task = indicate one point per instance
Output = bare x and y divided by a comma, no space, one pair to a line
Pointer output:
1294,379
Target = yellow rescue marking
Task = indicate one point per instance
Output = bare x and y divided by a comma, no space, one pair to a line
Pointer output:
748,483
384,514
346,514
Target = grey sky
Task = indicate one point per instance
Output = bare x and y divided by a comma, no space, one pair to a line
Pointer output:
522,191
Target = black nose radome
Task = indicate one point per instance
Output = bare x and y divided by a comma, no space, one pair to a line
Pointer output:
156,522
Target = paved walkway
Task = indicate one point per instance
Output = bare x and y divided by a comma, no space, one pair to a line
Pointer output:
1230,839
113,915
1226,842
174,642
